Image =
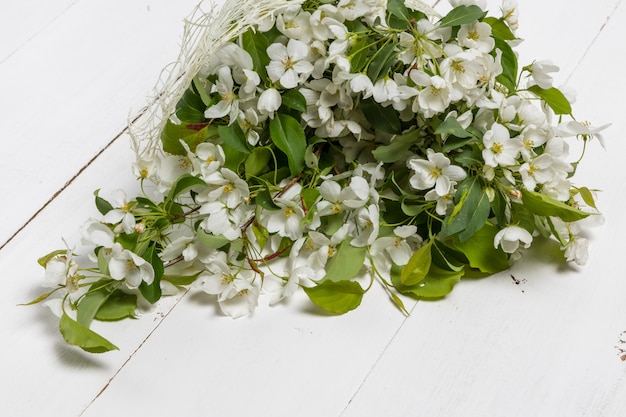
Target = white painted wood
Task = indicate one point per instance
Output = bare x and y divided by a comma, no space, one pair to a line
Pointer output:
69,90
543,347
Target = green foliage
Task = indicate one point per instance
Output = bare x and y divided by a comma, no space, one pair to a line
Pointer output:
233,137
288,135
337,297
346,263
480,251
461,15
382,118
544,205
76,334
418,266
553,98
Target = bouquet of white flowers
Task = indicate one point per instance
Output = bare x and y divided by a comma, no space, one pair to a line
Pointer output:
326,145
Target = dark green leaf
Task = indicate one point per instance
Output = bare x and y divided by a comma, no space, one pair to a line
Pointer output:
451,126
508,78
152,292
180,280
294,100
470,213
553,98
543,205
383,60
256,43
192,134
190,108
398,147
336,297
381,118
264,199
102,205
358,55
234,158
233,137
346,263
461,15
258,161
76,334
184,183
288,135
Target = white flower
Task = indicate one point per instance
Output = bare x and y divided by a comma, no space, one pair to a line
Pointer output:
396,246
208,158
286,221
229,103
510,238
62,270
480,3
121,213
361,83
436,96
295,24
443,201
540,72
230,188
269,101
537,171
500,149
577,250
288,63
510,13
584,129
241,299
436,171
367,226
476,35
97,234
128,266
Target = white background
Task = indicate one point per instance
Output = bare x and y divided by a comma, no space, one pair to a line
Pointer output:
73,71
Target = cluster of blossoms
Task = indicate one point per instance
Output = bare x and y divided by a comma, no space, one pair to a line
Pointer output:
334,138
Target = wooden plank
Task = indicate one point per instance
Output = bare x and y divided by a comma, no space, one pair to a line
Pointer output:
70,90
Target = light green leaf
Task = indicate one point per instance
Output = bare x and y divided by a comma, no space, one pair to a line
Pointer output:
481,253
192,134
43,261
587,196
438,283
89,306
118,306
499,28
417,267
543,205
233,137
180,280
258,161
211,241
336,297
461,15
553,98
471,213
346,263
451,126
76,334
381,118
288,135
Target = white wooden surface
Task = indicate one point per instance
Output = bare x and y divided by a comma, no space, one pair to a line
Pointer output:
73,71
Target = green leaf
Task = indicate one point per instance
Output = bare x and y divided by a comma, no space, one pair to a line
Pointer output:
260,234
309,196
211,241
471,213
499,29
438,283
118,306
288,135
258,161
200,87
399,15
336,297
76,334
383,60
508,78
102,205
451,126
587,197
180,280
294,100
543,205
192,134
358,55
184,183
233,137
553,98
234,158
397,148
417,267
346,263
152,292
43,261
264,199
89,306
256,43
442,260
381,118
481,253
461,15
190,108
